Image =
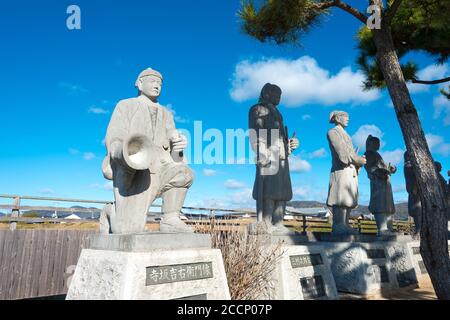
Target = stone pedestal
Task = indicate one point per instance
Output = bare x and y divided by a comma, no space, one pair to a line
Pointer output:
419,266
151,266
371,267
302,273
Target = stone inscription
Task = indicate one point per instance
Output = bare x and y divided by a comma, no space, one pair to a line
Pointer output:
422,267
376,254
306,260
177,273
313,287
381,275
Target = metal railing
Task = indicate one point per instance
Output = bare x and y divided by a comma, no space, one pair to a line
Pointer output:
302,222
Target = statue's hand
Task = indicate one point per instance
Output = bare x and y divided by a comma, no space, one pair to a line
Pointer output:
361,161
392,168
294,143
179,143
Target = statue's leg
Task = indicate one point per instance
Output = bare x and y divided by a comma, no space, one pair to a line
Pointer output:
132,194
382,221
341,217
173,200
277,218
175,180
268,209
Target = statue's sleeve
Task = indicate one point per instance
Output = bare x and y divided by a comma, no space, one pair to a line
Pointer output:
341,149
118,129
258,132
170,125
410,180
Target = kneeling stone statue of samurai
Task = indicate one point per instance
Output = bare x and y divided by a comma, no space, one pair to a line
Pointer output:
145,161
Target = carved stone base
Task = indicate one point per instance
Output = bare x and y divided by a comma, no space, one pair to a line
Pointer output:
142,267
372,267
302,273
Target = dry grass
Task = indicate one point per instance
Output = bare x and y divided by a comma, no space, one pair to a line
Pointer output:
248,259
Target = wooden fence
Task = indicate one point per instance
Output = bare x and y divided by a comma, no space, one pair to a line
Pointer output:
38,263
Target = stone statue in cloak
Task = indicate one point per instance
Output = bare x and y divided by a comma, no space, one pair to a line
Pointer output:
269,140
381,196
346,163
414,201
145,161
445,186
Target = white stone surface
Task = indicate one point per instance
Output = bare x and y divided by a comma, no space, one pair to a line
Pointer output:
356,271
118,275
286,284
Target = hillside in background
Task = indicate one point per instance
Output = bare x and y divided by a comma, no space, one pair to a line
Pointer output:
400,214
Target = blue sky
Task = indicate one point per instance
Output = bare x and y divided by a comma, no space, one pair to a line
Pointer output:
60,86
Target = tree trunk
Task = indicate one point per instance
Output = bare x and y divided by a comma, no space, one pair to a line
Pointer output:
433,242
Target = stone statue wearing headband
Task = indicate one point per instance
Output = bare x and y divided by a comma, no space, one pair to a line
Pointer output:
343,187
145,161
269,140
381,196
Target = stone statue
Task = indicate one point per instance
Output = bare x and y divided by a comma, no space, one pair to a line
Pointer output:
414,202
381,196
445,186
343,187
269,140
145,161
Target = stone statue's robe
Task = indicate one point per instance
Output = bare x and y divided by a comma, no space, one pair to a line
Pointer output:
381,196
414,202
275,187
343,187
135,191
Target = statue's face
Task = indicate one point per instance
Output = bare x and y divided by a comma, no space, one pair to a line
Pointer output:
150,86
272,95
343,120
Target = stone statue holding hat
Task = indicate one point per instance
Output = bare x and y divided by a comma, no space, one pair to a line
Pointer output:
145,161
381,196
346,163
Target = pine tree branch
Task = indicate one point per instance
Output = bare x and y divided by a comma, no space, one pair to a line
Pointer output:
390,13
431,81
353,11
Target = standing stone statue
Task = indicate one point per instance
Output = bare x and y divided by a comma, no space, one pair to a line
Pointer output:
269,140
145,161
414,202
381,196
343,188
445,186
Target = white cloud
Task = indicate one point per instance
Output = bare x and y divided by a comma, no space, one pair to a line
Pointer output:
438,145
107,186
176,117
88,156
394,157
234,184
71,88
302,81
441,106
399,188
431,72
73,151
96,110
243,198
47,191
209,172
298,165
360,136
320,153
306,117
